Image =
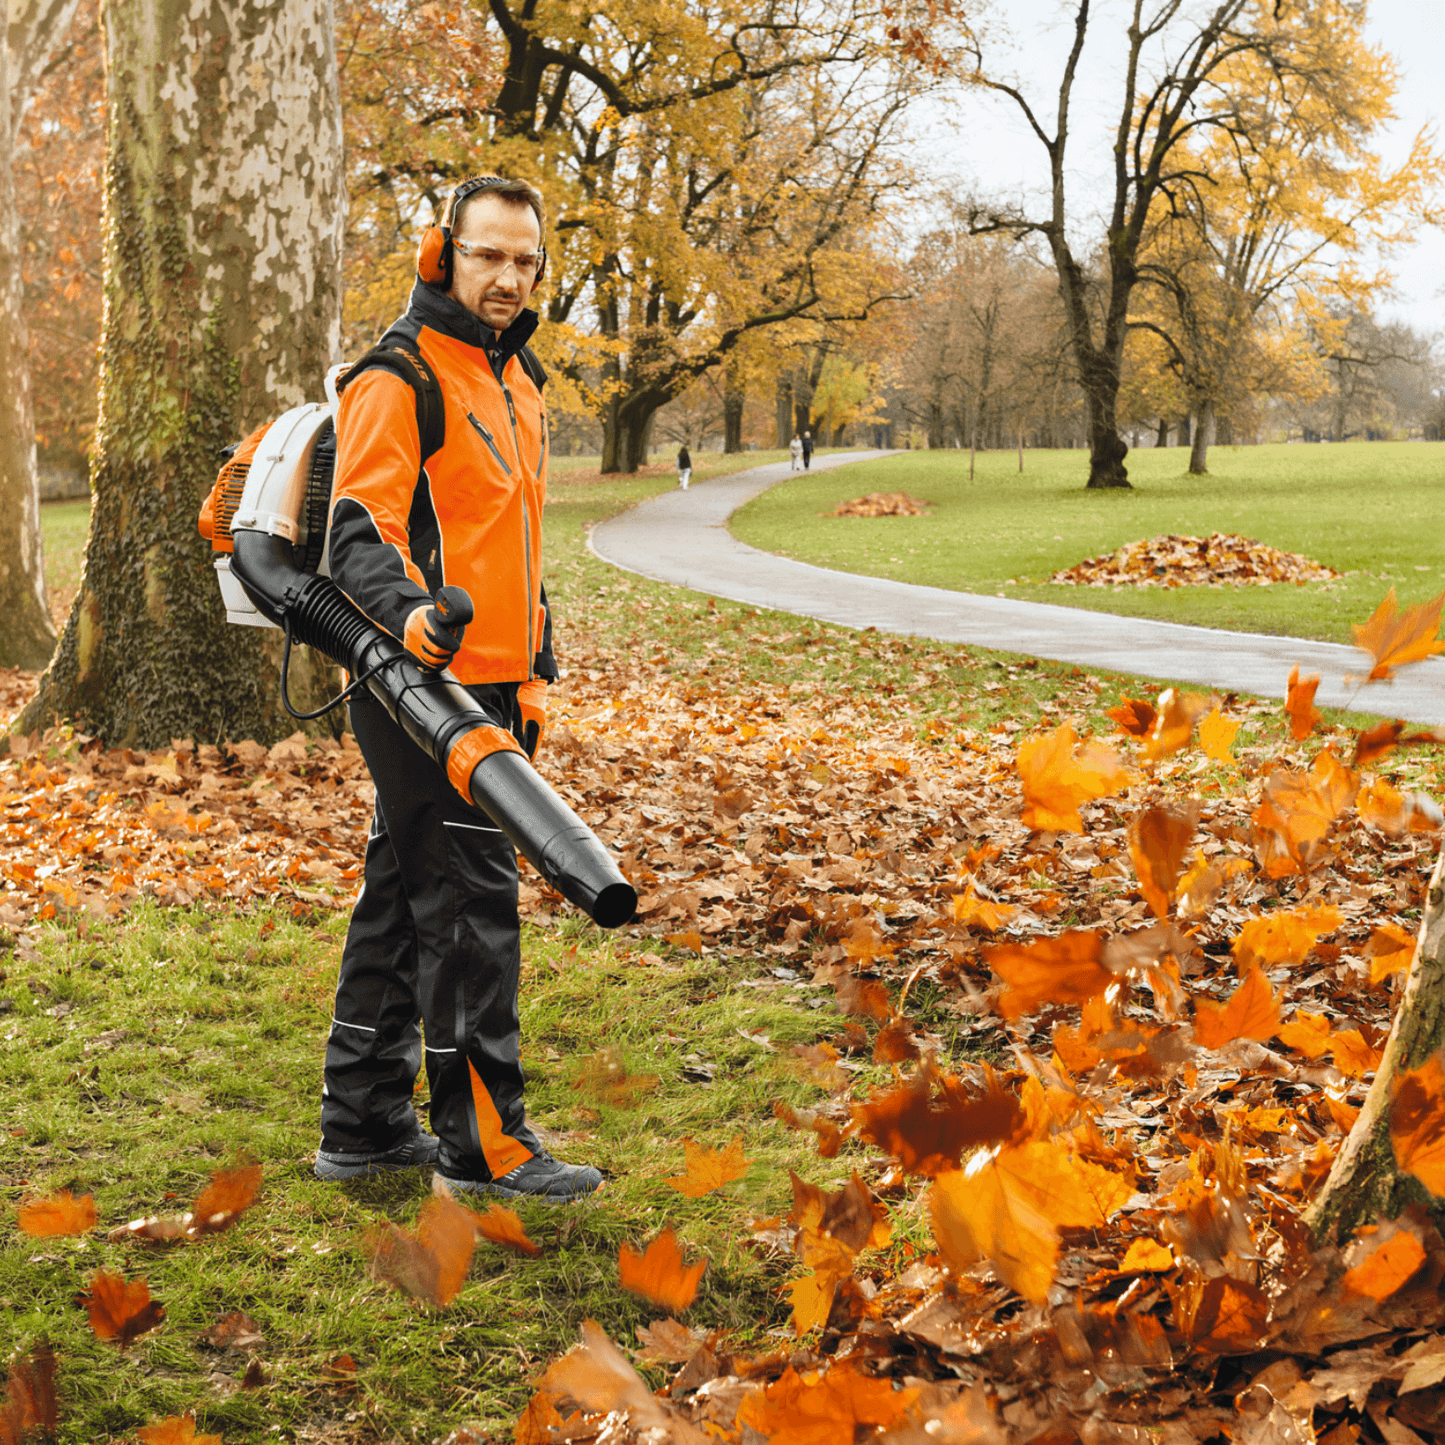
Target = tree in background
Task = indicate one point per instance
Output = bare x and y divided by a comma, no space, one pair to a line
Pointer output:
1186,78
1286,213
224,204
34,31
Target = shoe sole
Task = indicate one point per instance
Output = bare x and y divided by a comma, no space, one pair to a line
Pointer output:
472,1186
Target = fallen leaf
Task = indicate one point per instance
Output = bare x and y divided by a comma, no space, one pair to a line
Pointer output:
30,1402
981,1214
969,910
1390,950
1147,1255
1394,639
119,1310
1384,1264
709,1169
1065,969
432,1263
59,1214
1299,705
658,1274
176,1430
1417,1124
836,1404
1285,936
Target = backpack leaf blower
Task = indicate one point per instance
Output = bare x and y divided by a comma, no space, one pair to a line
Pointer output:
267,521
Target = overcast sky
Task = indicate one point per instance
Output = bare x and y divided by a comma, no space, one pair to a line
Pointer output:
983,142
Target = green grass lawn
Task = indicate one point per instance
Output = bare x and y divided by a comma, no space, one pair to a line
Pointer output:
1370,510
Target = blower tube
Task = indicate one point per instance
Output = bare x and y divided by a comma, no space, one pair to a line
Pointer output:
442,719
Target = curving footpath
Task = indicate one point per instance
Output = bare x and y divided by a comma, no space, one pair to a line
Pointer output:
682,537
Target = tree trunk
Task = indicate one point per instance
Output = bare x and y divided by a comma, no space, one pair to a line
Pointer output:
935,424
783,408
733,398
1203,439
1162,440
626,426
27,635
1183,437
225,203
1365,1183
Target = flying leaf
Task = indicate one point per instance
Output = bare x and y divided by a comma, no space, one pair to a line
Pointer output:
819,1062
863,996
927,1130
1390,950
1382,1262
709,1169
432,1263
1216,736
1158,838
1352,1054
1385,807
1071,1192
659,1274
1417,1124
1299,705
1066,969
1393,639
850,1215
980,1214
1223,1315
535,1424
1372,744
811,1298
234,1331
119,1310
1252,1012
503,1226
1200,886
604,1077
599,1378
971,910
176,1430
1178,712
1307,1034
1283,937
1147,1255
224,1199
667,1341
830,1136
30,1402
836,1404
1291,823
1134,716
58,1214
1056,782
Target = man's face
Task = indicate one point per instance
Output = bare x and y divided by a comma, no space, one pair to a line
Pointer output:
493,289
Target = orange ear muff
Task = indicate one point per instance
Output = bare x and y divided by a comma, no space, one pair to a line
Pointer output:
433,256
541,270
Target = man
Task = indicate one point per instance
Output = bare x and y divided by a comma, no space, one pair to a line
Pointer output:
807,451
419,542
684,466
795,452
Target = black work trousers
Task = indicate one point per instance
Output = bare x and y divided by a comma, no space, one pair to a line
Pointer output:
434,940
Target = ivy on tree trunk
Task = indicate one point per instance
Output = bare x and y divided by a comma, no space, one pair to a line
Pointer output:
225,199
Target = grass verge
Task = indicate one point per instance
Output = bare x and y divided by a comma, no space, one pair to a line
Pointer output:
1367,510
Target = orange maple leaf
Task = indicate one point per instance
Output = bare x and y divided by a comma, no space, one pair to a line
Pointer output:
1158,838
1252,1012
1390,950
1392,640
1283,937
1146,1256
1299,705
1385,807
1178,712
604,1076
1383,1262
535,1424
1307,1034
176,1430
30,1402
820,1406
1417,1124
1056,782
1134,716
1216,736
504,1226
864,996
969,909
982,1214
119,1310
224,1199
1352,1054
830,1136
432,1263
658,1274
927,1124
709,1169
58,1214
1298,809
1066,969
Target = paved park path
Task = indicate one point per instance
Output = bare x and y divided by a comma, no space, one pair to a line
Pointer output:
682,537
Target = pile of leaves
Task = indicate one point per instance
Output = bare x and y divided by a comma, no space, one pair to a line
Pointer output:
1222,559
881,504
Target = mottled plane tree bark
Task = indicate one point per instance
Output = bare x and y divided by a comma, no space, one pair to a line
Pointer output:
225,203
34,31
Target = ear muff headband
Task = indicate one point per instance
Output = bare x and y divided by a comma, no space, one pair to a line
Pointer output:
434,252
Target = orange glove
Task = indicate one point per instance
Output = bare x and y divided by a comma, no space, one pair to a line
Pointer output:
433,634
532,699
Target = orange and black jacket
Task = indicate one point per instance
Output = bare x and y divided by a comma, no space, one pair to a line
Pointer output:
471,516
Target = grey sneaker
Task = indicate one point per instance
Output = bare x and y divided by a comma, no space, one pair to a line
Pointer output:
541,1177
419,1152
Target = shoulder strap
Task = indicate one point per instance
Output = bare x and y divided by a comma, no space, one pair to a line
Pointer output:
533,367
412,367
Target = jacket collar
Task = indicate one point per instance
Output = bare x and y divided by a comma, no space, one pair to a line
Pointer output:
437,310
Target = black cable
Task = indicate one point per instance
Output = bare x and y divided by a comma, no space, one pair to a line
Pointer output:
335,702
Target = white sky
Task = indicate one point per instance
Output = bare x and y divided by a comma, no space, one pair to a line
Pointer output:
981,143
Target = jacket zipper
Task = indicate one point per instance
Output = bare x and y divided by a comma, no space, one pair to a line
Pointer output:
526,529
486,436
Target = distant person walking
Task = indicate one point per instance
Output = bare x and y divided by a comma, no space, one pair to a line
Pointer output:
807,451
795,453
684,466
